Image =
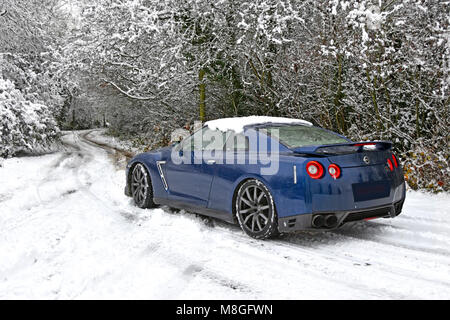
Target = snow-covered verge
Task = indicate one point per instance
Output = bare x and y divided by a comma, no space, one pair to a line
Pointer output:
25,126
68,232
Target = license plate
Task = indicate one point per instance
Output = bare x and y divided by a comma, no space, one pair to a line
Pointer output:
370,190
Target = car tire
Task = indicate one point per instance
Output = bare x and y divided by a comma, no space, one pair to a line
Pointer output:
141,187
255,210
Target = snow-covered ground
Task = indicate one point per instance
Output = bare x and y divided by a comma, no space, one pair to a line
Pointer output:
69,232
100,137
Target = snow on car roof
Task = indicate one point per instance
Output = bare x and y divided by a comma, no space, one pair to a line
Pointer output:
237,124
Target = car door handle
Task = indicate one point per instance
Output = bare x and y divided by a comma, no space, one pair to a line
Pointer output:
211,161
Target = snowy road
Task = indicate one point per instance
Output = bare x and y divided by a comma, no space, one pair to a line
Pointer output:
68,232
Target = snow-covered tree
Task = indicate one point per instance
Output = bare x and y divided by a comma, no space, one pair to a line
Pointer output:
370,69
30,33
25,127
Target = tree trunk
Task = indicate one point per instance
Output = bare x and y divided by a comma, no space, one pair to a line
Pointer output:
202,88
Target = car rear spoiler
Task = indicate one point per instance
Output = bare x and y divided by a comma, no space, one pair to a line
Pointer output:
344,148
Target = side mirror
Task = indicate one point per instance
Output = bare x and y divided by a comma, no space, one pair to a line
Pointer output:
178,135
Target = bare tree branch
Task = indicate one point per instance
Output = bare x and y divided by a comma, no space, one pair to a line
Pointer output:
126,93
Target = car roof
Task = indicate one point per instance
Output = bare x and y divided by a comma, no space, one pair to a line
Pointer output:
237,124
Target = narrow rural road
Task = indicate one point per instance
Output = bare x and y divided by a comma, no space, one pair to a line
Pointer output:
69,232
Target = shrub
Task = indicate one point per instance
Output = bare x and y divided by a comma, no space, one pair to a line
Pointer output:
25,127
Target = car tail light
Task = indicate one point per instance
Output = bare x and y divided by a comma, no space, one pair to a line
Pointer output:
389,163
365,144
314,169
368,146
334,171
394,159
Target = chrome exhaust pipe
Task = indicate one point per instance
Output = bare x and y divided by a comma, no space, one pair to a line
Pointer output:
331,221
318,221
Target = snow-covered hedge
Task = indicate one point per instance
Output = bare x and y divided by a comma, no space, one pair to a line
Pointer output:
24,126
427,167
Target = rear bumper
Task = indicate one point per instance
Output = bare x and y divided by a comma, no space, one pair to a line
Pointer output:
305,221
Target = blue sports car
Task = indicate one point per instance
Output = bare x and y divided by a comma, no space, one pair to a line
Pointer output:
271,175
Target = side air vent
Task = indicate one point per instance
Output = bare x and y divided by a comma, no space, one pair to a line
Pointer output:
291,223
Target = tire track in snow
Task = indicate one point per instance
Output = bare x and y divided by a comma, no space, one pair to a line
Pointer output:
332,255
359,257
70,161
335,257
312,266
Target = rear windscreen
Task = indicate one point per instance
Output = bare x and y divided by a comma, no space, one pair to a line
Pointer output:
295,136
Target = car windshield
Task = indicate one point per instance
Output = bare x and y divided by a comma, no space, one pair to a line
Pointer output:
295,136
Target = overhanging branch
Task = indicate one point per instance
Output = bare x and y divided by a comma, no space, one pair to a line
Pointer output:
136,97
126,93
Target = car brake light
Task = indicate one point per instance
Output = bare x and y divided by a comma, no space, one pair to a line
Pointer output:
334,171
394,159
368,146
389,163
314,169
365,144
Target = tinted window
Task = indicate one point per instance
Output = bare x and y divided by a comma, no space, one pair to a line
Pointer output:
300,136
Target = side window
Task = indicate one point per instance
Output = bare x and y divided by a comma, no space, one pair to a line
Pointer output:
213,140
236,142
204,140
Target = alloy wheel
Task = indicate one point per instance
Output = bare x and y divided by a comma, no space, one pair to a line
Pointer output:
254,208
139,185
